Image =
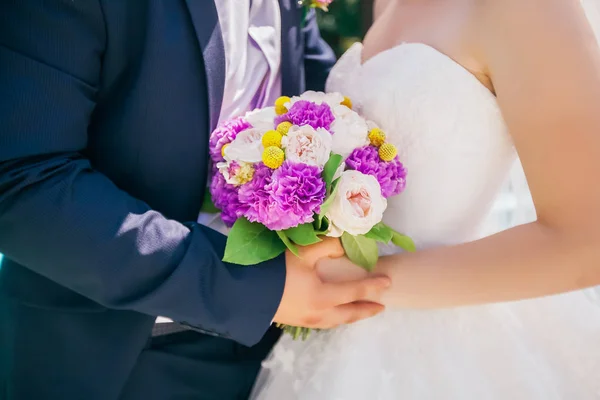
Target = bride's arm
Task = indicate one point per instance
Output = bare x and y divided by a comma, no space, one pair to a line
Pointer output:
379,7
545,66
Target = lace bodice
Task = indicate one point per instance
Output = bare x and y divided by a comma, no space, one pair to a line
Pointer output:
449,131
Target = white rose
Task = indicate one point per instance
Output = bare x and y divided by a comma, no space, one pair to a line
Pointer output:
307,145
357,206
262,119
350,131
331,99
247,147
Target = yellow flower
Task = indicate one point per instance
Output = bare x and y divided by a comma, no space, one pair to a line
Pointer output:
387,152
223,149
347,102
273,157
271,138
280,107
245,173
284,127
377,137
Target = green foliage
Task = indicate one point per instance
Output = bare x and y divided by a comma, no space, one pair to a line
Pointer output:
345,23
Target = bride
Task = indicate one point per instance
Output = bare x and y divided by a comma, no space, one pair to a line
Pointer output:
460,86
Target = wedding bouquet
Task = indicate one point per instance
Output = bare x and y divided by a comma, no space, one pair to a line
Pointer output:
306,167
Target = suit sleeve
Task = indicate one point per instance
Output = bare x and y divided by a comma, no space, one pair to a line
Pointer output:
69,223
318,56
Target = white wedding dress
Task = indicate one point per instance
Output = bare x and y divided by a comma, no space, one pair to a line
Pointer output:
452,138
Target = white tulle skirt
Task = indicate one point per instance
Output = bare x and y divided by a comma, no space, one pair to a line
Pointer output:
542,349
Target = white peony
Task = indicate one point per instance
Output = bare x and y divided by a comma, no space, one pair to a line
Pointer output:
357,206
247,147
262,119
350,131
331,99
307,145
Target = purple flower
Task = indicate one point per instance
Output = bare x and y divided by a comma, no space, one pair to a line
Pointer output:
225,198
299,191
259,204
285,198
308,113
390,175
224,134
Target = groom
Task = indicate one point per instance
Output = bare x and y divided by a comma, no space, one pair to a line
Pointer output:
105,111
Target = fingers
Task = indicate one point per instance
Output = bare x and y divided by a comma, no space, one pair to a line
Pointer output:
328,248
339,293
350,313
339,269
334,247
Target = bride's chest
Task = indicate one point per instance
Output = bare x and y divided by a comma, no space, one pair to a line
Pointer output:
425,101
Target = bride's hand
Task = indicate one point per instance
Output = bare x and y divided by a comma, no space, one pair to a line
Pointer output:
342,270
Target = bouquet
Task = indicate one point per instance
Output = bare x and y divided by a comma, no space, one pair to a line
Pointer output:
306,167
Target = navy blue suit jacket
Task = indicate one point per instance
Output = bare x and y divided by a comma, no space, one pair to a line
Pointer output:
105,111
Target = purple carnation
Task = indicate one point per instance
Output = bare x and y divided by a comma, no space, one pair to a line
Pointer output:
259,204
225,198
299,191
285,198
390,175
308,113
224,134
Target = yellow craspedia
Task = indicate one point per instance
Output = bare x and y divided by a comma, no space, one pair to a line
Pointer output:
284,127
387,152
271,138
347,102
273,157
223,149
377,137
280,107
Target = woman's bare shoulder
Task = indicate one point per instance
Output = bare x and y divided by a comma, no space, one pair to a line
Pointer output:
379,7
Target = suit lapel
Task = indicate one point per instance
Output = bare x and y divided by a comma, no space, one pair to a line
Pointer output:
292,47
208,31
206,23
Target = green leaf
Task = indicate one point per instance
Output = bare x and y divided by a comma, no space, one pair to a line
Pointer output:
330,169
303,235
360,250
207,204
318,222
328,202
325,207
291,246
403,241
381,233
250,243
323,225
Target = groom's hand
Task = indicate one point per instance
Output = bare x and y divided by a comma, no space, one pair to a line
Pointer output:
310,302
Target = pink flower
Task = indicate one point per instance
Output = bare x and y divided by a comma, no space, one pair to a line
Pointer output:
299,191
322,4
357,204
225,198
225,133
390,175
308,113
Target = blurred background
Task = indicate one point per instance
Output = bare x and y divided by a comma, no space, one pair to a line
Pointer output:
346,22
